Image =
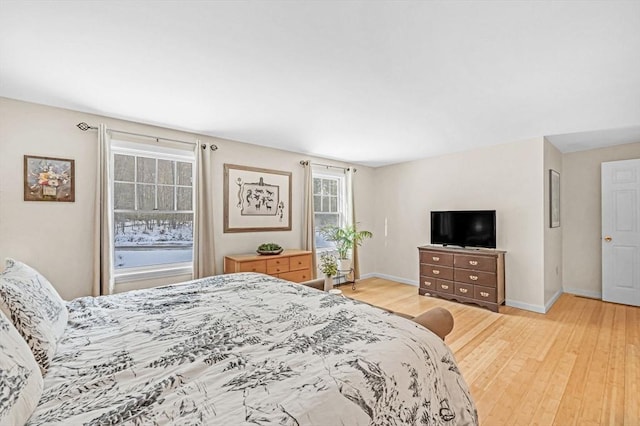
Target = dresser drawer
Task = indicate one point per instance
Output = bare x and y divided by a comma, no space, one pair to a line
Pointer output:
296,276
445,286
475,277
465,290
434,271
477,263
299,262
277,266
254,266
428,283
289,260
436,258
485,293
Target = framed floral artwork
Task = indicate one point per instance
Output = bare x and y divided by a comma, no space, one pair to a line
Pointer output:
49,179
256,199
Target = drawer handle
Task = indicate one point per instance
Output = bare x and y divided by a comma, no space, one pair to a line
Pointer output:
463,290
435,272
484,294
427,283
473,262
444,286
436,258
473,277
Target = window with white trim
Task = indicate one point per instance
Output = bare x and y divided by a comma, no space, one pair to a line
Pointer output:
153,209
328,205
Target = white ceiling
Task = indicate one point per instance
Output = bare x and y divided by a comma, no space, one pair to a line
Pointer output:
366,82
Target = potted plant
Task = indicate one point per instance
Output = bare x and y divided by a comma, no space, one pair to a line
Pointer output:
329,267
346,239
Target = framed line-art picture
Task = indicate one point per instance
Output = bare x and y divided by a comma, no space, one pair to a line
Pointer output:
256,199
49,179
554,198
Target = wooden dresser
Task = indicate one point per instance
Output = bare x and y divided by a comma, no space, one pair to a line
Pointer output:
291,265
463,275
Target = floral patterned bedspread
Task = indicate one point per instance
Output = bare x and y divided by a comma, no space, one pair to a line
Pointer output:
247,349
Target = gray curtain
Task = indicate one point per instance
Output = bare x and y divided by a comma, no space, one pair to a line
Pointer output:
103,282
351,219
308,225
204,259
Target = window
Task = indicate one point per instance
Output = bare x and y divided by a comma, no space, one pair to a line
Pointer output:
152,208
328,205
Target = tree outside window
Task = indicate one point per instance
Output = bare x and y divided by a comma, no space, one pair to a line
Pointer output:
328,206
153,209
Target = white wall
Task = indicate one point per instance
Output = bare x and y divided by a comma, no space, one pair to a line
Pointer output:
56,238
581,216
552,236
365,195
507,178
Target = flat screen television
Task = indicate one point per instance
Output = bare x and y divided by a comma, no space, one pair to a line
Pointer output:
464,228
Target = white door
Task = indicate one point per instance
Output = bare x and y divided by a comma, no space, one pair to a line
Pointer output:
621,232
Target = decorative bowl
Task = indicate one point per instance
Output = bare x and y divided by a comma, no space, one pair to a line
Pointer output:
269,252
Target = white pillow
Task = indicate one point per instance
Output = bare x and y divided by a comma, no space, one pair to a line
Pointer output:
35,308
20,377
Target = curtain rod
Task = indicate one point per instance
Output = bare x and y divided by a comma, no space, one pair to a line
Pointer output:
328,166
84,127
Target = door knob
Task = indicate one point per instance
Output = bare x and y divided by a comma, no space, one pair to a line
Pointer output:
608,238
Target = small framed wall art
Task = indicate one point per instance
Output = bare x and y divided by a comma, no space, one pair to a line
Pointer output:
554,199
49,179
256,199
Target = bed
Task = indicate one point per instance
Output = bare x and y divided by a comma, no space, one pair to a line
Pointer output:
246,349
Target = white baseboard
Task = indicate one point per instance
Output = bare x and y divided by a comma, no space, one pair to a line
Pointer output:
526,306
550,303
585,293
390,278
369,275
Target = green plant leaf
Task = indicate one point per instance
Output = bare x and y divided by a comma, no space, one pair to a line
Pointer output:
345,238
269,247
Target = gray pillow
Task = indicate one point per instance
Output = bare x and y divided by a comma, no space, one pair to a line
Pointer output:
35,309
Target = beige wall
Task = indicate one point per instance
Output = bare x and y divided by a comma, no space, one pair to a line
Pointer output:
581,216
507,178
56,238
510,178
552,236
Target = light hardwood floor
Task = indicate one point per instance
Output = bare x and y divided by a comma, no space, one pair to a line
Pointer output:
577,365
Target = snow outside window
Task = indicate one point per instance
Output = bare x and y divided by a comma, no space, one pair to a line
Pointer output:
153,209
328,206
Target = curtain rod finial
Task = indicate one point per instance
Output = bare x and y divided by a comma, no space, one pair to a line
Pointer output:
212,146
83,126
304,162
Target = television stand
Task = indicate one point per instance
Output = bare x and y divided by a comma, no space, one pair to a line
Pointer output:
463,275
